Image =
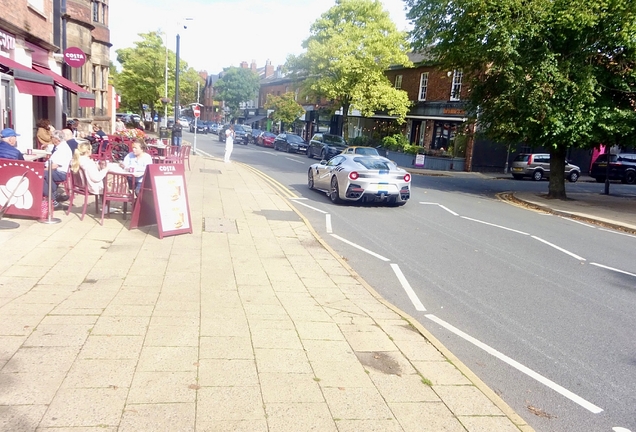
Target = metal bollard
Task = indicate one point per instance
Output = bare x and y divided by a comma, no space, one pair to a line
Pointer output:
50,219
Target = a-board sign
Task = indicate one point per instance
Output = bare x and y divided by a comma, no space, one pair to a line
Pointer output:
23,193
419,160
163,200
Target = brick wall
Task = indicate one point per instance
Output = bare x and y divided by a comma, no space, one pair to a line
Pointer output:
19,18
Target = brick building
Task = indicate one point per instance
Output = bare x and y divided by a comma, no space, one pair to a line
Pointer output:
35,81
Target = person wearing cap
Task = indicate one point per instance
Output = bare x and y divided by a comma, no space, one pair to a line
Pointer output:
8,143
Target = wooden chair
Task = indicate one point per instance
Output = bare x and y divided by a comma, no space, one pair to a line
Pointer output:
185,155
117,187
79,186
170,155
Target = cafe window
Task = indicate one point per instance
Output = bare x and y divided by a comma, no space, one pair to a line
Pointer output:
398,81
423,86
456,86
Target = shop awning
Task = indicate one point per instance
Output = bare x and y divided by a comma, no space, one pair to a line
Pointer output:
253,119
34,88
27,80
85,99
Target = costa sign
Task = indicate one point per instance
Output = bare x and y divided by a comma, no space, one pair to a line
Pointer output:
74,57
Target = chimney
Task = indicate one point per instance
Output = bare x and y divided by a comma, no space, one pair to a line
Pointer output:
269,69
243,65
279,71
253,65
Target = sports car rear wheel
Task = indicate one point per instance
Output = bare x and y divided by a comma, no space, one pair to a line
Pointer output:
334,192
310,179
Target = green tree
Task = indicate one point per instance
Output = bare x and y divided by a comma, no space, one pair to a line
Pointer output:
142,78
349,48
545,73
286,109
235,86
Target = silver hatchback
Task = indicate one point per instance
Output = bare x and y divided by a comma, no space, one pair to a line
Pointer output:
537,167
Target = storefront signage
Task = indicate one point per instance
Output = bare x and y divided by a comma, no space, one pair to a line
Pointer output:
7,41
454,111
74,57
163,200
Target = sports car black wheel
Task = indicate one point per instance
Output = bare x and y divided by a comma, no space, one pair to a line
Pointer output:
310,178
334,192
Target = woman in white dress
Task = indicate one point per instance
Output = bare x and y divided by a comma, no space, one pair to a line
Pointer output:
229,143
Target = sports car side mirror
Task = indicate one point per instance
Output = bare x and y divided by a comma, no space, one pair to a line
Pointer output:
323,162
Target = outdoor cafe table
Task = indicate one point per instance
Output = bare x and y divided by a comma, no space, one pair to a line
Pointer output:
36,154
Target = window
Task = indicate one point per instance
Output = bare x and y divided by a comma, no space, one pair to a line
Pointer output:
423,86
96,11
456,87
398,81
37,4
103,20
94,80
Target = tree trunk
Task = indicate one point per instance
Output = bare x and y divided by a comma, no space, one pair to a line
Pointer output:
556,187
345,119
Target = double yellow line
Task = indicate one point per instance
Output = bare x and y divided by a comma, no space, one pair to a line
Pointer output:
282,189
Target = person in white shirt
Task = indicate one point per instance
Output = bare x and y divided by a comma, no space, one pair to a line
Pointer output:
59,161
229,143
136,162
94,175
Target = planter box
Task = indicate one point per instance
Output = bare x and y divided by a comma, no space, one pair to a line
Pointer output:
430,162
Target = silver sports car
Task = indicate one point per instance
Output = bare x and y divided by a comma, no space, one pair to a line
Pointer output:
354,177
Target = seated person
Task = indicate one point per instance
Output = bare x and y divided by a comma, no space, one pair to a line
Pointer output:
136,162
101,137
94,174
60,160
8,143
70,140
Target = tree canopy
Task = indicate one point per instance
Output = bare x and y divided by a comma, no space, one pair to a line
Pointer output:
349,48
236,85
285,107
543,73
142,81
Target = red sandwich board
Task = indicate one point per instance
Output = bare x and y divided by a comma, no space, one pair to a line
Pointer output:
163,200
25,194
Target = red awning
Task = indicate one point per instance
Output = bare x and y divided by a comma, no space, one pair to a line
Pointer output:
27,80
85,99
33,88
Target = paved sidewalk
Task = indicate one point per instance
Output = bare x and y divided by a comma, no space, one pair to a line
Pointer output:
251,323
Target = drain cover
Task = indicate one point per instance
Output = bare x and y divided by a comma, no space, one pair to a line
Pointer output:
219,225
210,171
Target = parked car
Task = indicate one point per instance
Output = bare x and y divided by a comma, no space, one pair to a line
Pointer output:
325,146
537,167
253,135
369,151
622,167
266,139
290,143
201,127
240,134
354,177
214,128
184,122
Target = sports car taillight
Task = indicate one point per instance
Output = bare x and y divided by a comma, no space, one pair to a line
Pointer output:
407,177
353,175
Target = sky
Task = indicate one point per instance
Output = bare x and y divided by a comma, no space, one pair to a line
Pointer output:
224,33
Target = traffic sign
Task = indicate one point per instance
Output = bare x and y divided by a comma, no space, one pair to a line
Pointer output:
196,111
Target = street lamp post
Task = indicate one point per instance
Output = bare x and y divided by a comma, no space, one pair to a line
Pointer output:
177,111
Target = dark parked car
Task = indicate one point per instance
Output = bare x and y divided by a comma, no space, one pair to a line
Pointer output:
266,139
240,134
290,143
622,167
325,146
202,127
253,135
